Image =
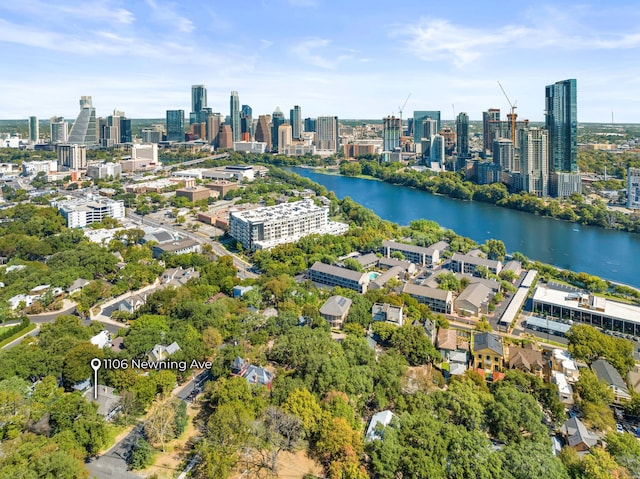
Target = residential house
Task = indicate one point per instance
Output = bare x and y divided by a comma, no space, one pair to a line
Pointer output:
240,291
161,352
565,391
177,277
254,375
561,361
438,300
611,377
447,342
102,339
528,358
378,422
474,300
180,246
488,352
430,330
387,263
577,435
335,310
77,285
132,303
108,401
387,312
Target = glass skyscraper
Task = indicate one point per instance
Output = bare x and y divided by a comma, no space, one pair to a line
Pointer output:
418,119
234,107
561,121
175,125
84,129
295,118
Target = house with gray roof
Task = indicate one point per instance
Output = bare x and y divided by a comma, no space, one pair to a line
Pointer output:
387,312
108,401
380,281
379,421
77,285
416,254
577,435
161,352
367,260
474,300
488,352
611,377
335,310
387,263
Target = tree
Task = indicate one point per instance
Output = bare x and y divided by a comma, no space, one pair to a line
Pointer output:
413,343
352,264
592,390
160,425
305,406
141,454
599,464
495,249
278,431
77,362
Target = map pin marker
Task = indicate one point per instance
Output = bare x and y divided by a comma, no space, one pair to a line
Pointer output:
95,365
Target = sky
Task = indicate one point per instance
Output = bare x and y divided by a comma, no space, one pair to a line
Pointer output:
349,58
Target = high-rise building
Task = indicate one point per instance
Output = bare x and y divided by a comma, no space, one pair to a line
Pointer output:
72,157
418,118
633,188
284,137
175,125
263,132
561,121
34,129
534,161
234,106
437,150
503,154
59,131
198,98
391,131
462,135
295,119
84,129
246,123
327,134
213,128
310,124
277,119
489,119
225,137
125,130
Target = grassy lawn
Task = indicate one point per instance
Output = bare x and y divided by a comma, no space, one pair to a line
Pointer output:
27,330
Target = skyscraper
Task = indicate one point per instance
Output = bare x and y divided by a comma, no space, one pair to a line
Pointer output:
284,137
263,133
84,129
462,135
327,135
503,154
534,161
437,150
59,129
214,121
490,118
198,98
418,119
246,123
295,119
175,125
561,121
310,124
34,129
276,120
234,106
391,130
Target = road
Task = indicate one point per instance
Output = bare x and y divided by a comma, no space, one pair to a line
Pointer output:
113,463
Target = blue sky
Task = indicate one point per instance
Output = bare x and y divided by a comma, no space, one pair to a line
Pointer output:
349,58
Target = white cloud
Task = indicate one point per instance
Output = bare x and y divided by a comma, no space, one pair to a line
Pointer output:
305,51
439,39
50,12
167,13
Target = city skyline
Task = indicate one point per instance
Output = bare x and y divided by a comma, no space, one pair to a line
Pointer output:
349,60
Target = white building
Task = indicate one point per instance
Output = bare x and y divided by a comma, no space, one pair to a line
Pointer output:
266,227
633,188
147,153
34,167
99,171
80,212
250,146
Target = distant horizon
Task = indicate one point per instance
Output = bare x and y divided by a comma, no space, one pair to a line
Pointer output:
344,59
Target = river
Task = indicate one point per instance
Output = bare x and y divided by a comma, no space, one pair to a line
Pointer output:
610,254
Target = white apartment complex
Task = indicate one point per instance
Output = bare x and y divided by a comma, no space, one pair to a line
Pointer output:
80,212
266,227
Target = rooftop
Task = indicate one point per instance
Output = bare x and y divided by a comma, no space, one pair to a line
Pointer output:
340,272
336,306
425,292
488,341
278,212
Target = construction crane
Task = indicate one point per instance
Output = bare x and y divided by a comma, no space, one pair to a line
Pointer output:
512,116
401,108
